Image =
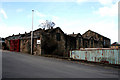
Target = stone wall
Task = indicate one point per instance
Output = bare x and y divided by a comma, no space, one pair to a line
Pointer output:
7,42
25,45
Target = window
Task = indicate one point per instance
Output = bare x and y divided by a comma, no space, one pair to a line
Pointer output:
91,43
86,44
58,37
79,42
104,42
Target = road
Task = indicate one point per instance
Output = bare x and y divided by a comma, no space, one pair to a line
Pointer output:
21,65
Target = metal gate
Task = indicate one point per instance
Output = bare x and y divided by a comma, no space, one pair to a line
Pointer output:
15,45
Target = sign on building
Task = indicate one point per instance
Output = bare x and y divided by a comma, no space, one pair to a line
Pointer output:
38,41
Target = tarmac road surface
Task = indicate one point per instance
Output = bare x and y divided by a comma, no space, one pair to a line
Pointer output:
21,65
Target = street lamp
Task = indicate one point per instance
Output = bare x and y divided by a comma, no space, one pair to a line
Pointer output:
32,33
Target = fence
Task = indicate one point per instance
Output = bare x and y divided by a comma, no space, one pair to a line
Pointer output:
106,55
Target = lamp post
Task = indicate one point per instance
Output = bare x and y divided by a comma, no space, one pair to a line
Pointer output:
32,33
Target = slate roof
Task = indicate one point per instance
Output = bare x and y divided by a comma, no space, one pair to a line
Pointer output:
74,35
95,33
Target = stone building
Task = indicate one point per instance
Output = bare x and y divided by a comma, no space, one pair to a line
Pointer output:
78,40
54,41
95,40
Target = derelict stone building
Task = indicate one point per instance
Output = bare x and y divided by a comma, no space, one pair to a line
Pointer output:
54,41
95,40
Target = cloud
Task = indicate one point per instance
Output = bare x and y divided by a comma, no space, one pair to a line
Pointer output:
40,0
103,27
19,10
106,28
41,18
39,14
102,2
76,26
41,21
111,10
106,2
3,13
109,7
6,30
81,1
53,18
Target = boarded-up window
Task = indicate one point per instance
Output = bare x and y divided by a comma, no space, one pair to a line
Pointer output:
104,43
86,44
91,43
58,37
79,41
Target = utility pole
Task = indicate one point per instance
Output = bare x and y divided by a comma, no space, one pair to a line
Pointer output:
32,33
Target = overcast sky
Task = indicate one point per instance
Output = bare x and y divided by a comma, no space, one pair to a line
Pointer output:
76,16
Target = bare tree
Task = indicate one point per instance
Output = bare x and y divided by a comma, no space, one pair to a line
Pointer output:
47,24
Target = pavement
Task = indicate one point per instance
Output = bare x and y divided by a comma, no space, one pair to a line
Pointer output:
21,65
